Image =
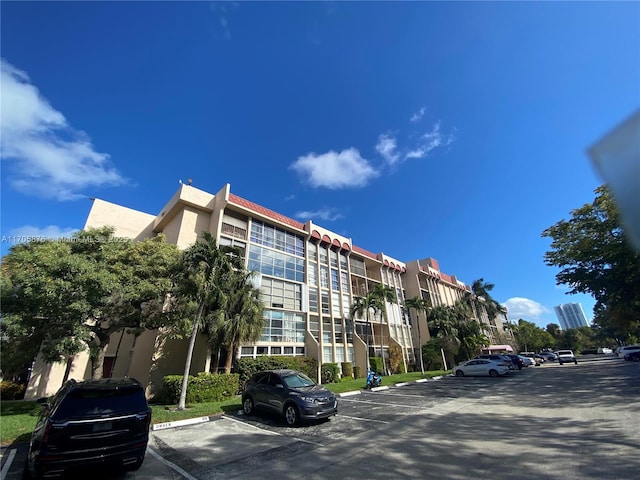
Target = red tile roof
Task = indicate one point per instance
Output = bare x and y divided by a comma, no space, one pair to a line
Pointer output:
364,252
265,211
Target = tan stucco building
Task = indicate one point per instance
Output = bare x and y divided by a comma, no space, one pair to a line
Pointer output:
308,277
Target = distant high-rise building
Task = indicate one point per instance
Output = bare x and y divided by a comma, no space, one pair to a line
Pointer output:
571,315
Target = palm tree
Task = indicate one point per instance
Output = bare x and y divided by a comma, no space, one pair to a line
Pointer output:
419,305
203,266
240,316
385,294
443,324
362,306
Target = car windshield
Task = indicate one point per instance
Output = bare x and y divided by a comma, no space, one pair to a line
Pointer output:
298,380
91,403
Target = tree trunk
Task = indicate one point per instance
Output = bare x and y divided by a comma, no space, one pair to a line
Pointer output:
67,369
230,356
98,361
187,364
216,361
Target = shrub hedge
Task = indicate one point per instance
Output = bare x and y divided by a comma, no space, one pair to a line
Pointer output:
376,364
11,390
347,369
205,387
330,372
356,371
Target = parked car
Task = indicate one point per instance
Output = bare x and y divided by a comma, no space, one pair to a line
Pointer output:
549,356
482,367
622,351
604,350
289,393
566,356
538,359
498,357
517,361
89,424
527,361
632,356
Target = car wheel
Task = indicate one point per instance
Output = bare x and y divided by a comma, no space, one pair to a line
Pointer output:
575,361
247,406
291,414
636,359
459,373
493,373
560,363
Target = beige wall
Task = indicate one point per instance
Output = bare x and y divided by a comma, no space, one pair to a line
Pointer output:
46,378
128,223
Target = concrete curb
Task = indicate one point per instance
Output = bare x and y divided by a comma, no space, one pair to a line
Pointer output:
348,394
180,423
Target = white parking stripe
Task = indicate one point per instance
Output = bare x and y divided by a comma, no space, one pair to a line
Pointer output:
7,464
365,419
380,403
272,433
170,464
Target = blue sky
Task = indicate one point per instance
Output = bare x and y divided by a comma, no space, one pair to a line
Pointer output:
449,130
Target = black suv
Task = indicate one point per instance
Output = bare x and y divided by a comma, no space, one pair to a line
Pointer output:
103,422
289,393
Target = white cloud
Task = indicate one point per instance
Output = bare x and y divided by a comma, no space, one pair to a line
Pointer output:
51,159
48,232
327,214
335,170
386,147
430,141
525,308
222,10
417,116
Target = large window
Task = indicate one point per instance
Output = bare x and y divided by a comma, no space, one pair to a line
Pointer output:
274,237
357,266
275,264
313,299
313,274
279,294
324,277
284,327
335,285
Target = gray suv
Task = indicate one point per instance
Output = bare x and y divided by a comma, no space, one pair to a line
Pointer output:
289,393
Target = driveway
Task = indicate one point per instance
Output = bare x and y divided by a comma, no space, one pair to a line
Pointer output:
554,422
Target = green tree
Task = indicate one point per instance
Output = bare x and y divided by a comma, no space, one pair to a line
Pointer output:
239,317
595,257
419,305
363,307
443,324
67,296
480,298
201,290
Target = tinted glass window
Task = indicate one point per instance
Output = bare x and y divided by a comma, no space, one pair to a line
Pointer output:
88,403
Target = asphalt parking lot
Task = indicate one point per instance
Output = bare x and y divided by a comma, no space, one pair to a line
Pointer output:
239,446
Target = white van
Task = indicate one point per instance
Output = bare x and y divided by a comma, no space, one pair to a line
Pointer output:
622,351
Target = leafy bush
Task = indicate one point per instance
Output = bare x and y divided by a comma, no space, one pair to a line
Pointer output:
12,391
396,359
330,372
205,387
376,364
356,371
245,367
347,369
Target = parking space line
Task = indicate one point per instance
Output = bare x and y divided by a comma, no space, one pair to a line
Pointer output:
379,403
7,464
365,419
171,465
274,433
